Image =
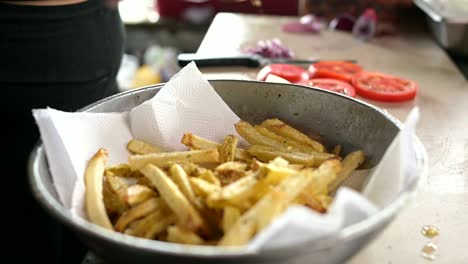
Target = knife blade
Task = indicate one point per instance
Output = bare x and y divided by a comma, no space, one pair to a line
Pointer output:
252,61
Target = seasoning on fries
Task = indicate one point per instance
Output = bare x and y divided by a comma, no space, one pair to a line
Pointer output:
215,193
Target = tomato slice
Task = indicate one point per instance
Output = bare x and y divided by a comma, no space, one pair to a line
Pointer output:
384,87
339,70
289,72
332,85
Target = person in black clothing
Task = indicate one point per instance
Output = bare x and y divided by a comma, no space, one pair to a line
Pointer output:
64,54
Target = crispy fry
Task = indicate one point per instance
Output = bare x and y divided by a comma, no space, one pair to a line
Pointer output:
153,224
283,129
289,143
180,178
186,214
95,207
257,217
248,132
160,159
137,212
336,150
209,176
196,142
228,149
114,190
351,162
237,193
122,170
203,188
265,153
229,172
177,234
230,217
322,177
140,147
190,168
138,193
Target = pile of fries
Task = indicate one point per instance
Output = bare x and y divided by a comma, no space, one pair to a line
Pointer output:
214,193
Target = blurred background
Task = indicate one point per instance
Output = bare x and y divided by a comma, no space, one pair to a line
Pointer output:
158,30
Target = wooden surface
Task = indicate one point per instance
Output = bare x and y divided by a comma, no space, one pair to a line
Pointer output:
442,199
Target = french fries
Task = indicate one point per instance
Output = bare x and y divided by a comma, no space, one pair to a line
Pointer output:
227,150
160,159
94,173
351,162
141,147
195,142
264,153
283,129
215,193
185,212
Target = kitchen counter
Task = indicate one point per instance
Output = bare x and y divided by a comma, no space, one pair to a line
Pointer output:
442,199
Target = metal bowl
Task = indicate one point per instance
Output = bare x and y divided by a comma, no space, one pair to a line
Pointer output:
340,119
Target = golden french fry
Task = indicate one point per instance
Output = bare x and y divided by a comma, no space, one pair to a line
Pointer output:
322,177
176,234
209,176
160,159
265,153
255,219
186,214
283,129
230,217
312,202
196,142
336,150
181,178
190,168
140,147
231,171
248,132
138,193
351,162
122,170
228,149
114,192
138,212
94,173
237,193
203,188
283,141
153,224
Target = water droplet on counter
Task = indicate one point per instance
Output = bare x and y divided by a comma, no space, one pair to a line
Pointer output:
429,250
430,231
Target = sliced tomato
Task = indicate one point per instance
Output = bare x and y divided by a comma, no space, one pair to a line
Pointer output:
384,87
339,70
289,72
332,85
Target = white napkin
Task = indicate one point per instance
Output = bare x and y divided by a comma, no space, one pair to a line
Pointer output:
187,103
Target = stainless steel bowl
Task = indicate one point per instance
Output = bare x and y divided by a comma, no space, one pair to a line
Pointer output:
340,119
450,30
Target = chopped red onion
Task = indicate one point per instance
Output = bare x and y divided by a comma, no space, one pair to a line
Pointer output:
270,49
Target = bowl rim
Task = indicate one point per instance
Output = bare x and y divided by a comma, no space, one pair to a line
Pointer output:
57,210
